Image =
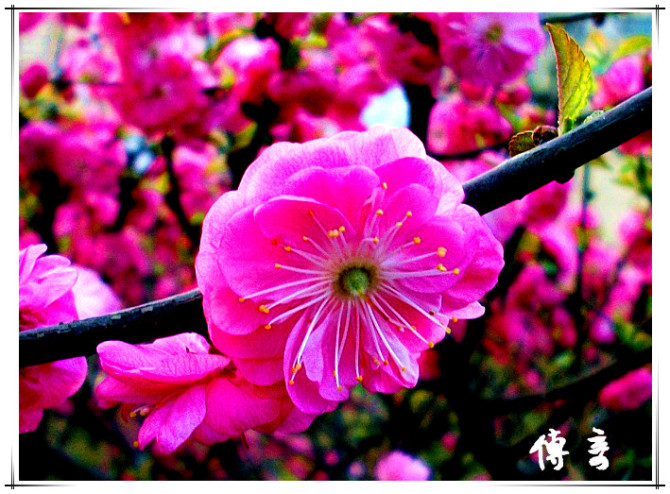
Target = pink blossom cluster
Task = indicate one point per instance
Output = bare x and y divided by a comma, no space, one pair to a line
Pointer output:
52,291
626,77
161,152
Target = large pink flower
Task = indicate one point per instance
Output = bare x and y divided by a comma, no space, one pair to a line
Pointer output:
45,298
489,48
338,261
185,391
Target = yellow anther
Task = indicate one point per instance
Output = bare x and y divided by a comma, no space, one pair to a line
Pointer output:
333,233
305,238
408,214
440,267
133,414
359,379
431,344
136,444
334,374
298,366
456,271
278,266
441,251
454,319
339,388
144,412
385,185
341,229
241,299
263,309
386,362
398,224
379,212
375,240
288,248
413,327
268,326
403,369
417,240
447,330
291,382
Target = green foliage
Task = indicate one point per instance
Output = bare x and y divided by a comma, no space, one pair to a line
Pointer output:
574,77
631,45
213,52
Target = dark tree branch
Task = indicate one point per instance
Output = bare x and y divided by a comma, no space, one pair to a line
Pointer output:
598,18
516,177
421,101
560,157
173,315
264,115
469,155
581,386
173,196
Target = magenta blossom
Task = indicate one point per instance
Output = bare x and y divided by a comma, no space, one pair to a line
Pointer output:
338,261
401,466
626,77
489,48
457,125
185,391
46,298
92,296
34,78
629,392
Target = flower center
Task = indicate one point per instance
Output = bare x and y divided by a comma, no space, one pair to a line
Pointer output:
494,33
356,280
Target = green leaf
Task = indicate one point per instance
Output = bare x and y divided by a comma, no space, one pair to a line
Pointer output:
633,44
574,77
521,142
213,52
593,116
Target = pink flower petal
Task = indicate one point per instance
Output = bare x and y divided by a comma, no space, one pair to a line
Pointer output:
329,186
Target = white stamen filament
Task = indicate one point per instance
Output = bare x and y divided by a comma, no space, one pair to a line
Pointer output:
398,275
358,345
315,245
308,256
410,259
311,327
392,291
403,321
373,333
309,303
298,270
337,348
312,289
375,324
282,286
346,329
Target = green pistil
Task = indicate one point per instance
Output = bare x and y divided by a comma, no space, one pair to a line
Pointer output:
495,33
355,281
